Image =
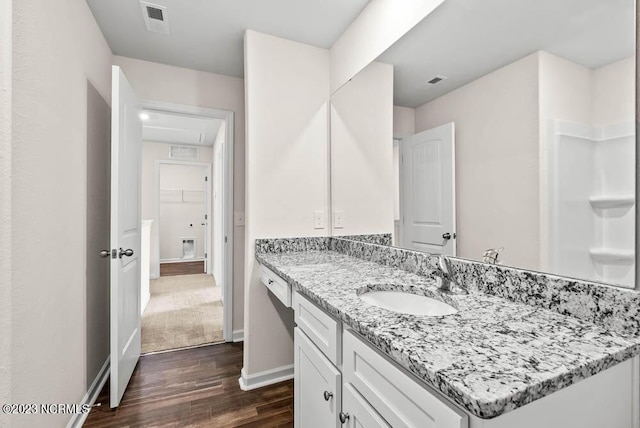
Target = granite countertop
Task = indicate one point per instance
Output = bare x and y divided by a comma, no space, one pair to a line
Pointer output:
491,357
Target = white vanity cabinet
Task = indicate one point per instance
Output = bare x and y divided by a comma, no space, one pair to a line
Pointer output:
368,391
365,388
399,399
318,386
359,413
278,286
318,380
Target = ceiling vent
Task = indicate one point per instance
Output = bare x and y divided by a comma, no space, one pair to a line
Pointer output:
183,152
155,17
436,80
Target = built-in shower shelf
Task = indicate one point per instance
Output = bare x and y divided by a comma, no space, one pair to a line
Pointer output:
612,201
605,255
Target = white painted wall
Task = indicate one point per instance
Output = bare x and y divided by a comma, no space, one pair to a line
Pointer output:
404,121
287,97
56,48
167,83
179,220
379,25
362,123
151,154
565,89
496,120
6,243
614,93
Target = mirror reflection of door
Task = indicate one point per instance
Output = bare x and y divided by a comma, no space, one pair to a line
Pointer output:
427,191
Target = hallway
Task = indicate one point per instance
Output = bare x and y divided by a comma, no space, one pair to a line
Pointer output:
198,388
184,310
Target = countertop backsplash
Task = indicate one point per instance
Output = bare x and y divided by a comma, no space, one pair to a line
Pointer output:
613,308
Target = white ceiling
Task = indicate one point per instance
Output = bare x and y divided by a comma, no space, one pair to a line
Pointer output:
466,39
208,34
173,128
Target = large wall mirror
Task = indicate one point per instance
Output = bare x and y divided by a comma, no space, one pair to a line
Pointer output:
499,131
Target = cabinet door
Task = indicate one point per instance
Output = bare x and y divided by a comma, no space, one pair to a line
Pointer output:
317,391
360,414
400,400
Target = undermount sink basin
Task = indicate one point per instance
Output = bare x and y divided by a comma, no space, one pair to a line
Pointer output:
407,303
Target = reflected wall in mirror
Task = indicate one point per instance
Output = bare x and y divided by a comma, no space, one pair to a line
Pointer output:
512,129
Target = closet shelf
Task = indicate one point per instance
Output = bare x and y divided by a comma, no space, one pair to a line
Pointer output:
612,201
605,255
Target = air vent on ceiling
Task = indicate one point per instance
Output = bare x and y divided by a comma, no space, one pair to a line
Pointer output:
155,17
154,13
183,152
436,80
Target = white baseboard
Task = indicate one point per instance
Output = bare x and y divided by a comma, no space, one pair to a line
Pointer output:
92,394
200,259
153,276
238,336
267,377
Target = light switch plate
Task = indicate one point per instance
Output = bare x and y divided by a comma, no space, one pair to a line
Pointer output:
238,219
338,219
318,219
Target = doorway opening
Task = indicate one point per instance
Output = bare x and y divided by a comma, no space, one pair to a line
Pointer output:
185,293
183,212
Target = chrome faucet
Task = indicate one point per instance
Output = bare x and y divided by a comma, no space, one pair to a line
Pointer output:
447,282
491,256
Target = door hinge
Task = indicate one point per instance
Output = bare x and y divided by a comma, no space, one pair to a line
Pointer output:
205,255
206,179
225,239
206,216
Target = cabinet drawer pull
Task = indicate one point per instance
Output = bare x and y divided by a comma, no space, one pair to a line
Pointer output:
344,417
328,395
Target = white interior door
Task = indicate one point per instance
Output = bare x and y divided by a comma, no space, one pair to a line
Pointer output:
427,194
126,150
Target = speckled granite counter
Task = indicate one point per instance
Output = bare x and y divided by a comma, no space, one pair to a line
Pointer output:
492,357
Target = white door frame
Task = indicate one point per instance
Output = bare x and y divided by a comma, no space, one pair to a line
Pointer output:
227,222
207,202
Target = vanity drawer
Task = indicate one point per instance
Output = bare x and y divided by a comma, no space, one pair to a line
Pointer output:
276,285
399,399
323,330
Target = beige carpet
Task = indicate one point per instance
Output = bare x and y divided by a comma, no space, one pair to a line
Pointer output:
184,311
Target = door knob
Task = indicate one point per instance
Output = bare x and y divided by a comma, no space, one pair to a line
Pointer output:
128,252
446,236
105,253
344,417
328,395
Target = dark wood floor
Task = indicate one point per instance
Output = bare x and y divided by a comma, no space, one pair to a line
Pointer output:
196,388
182,268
